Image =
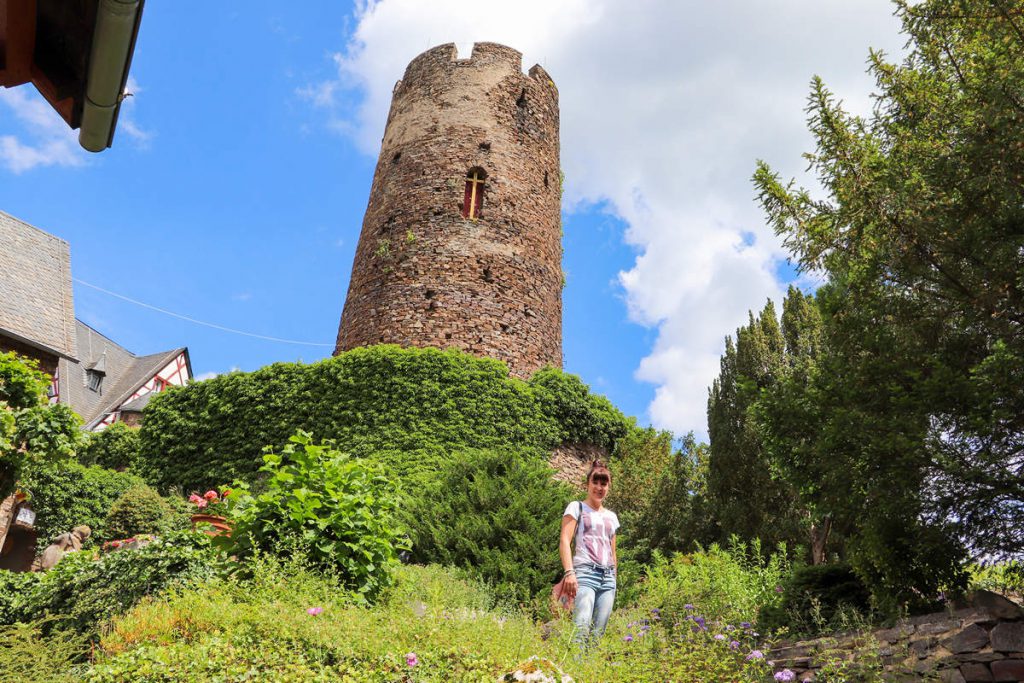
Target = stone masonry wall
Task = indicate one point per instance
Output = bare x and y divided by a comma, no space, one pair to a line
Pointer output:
983,642
571,462
425,276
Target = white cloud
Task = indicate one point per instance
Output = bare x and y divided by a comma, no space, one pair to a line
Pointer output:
205,376
665,106
126,122
44,139
53,142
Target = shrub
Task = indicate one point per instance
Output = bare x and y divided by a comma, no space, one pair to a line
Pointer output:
724,585
82,590
998,577
373,399
28,656
66,496
139,510
31,432
12,586
818,599
116,447
333,508
494,514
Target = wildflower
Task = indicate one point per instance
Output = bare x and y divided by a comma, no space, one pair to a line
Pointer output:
778,589
755,654
313,611
785,675
656,612
719,636
628,638
734,645
745,625
411,659
688,606
210,495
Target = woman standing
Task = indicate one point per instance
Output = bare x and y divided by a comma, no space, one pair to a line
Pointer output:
590,571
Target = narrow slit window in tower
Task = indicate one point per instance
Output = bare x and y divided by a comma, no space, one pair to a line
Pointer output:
474,197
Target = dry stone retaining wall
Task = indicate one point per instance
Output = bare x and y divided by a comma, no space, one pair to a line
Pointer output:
984,642
423,274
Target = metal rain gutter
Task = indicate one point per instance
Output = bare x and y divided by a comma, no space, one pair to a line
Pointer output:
113,42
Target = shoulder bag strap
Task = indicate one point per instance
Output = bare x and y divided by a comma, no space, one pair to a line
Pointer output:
576,526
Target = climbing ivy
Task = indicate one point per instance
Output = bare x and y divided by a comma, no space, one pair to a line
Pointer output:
410,405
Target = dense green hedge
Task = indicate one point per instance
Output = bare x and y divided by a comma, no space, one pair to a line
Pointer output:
64,496
116,447
421,402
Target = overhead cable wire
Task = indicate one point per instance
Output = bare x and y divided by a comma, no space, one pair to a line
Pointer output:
198,322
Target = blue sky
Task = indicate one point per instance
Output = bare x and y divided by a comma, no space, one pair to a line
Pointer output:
235,189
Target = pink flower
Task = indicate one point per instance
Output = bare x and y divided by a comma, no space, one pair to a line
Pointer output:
201,504
194,498
411,659
313,611
210,495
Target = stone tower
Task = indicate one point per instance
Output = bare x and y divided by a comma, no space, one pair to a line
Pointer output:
461,242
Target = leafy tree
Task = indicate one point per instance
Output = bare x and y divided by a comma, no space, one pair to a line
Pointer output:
657,493
921,235
746,499
30,430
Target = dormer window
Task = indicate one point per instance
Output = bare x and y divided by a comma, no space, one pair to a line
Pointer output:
474,198
94,380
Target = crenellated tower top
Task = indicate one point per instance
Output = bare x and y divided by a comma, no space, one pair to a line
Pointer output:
461,242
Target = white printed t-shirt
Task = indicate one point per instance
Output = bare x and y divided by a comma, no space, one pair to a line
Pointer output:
594,534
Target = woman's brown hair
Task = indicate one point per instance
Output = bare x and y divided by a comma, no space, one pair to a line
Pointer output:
598,465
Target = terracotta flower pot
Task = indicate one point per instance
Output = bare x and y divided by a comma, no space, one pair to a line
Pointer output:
221,526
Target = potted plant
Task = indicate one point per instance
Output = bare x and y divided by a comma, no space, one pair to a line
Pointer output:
211,509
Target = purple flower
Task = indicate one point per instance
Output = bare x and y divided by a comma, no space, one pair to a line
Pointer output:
785,675
755,654
411,659
314,611
778,589
734,645
688,606
628,638
745,624
719,636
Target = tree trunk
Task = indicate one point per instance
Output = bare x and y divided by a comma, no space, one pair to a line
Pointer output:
819,537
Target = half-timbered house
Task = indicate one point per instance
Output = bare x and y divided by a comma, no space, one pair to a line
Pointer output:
99,379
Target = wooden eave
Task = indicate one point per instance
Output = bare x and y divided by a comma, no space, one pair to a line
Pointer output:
48,43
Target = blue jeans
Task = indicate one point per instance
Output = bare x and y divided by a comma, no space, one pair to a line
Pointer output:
594,600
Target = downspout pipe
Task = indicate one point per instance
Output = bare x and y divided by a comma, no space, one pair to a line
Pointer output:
113,42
